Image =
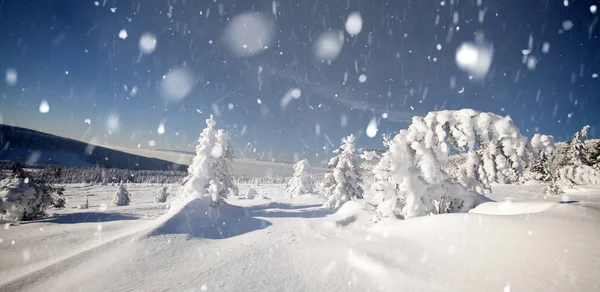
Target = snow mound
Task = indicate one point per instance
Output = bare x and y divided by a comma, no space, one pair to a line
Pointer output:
351,213
509,207
196,218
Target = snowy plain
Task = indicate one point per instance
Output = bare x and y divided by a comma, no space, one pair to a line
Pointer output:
525,241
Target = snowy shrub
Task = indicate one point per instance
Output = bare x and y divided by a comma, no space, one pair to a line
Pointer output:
251,194
343,183
209,174
161,196
21,199
410,181
59,203
302,182
121,197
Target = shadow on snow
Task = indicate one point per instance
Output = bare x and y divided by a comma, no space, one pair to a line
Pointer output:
84,217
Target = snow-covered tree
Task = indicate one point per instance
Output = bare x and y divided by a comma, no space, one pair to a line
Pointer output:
343,183
410,181
594,154
472,174
162,195
121,197
578,152
211,163
570,164
542,147
370,158
223,152
21,199
540,168
302,181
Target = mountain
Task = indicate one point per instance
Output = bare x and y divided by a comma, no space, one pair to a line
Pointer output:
33,147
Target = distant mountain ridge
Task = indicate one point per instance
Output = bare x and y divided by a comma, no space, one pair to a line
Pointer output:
34,147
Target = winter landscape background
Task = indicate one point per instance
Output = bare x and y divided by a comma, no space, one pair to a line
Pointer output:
299,146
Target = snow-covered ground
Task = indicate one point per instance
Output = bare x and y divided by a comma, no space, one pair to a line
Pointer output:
523,242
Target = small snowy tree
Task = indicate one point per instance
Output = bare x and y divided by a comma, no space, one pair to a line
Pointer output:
541,168
578,152
302,182
343,183
162,195
211,163
121,197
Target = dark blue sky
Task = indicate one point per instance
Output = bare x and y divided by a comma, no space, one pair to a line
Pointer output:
43,40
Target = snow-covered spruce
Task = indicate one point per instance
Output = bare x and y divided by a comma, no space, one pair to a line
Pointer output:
302,181
370,158
212,163
21,199
121,197
410,181
343,183
162,195
570,164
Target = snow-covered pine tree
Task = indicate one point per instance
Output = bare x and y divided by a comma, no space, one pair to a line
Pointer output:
302,181
541,168
594,154
578,152
211,163
162,195
570,164
343,183
224,157
121,197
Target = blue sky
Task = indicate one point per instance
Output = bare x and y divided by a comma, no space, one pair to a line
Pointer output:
43,40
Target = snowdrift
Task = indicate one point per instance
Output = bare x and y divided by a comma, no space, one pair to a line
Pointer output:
196,218
534,244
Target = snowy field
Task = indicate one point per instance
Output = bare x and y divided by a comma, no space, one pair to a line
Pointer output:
523,242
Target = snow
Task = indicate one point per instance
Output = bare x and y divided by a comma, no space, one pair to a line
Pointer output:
44,107
567,25
177,84
294,245
329,45
362,78
147,43
11,76
161,128
112,123
354,23
372,128
593,9
474,59
123,34
249,33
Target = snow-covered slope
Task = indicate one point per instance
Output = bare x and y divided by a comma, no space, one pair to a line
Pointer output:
240,166
283,244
